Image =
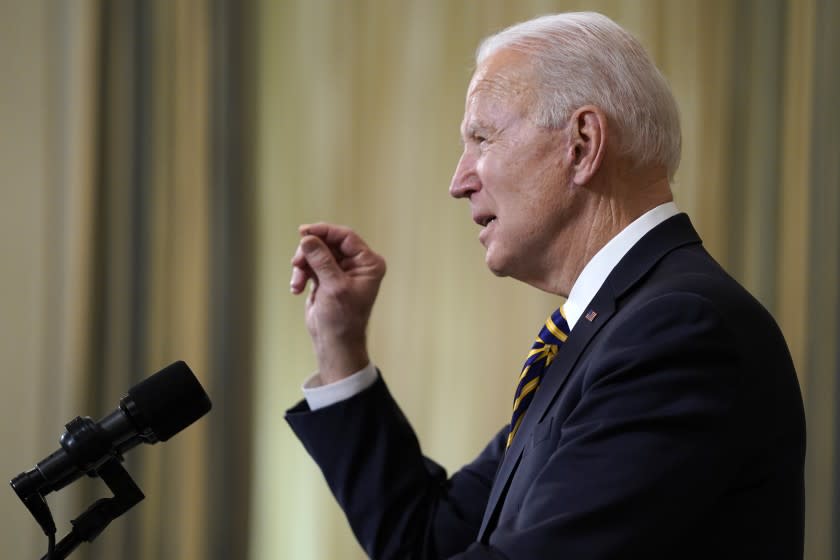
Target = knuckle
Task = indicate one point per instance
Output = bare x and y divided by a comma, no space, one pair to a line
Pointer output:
320,259
341,291
381,266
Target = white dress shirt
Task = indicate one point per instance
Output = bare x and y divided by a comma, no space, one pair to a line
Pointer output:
591,278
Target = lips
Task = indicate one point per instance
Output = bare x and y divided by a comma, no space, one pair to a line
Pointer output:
483,219
487,224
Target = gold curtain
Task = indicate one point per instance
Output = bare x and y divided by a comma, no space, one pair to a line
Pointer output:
358,109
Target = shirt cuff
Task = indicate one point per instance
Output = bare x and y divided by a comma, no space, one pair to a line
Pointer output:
320,396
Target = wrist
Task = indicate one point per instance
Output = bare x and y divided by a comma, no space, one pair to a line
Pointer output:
339,361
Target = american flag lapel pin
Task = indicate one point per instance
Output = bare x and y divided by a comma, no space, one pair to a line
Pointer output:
591,315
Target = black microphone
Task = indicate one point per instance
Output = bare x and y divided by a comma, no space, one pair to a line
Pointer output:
154,410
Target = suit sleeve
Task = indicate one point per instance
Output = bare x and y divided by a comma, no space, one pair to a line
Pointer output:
400,504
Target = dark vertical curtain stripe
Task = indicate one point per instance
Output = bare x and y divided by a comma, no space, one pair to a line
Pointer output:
141,161
98,278
99,227
118,347
115,347
141,172
231,275
766,180
736,201
823,371
825,270
757,83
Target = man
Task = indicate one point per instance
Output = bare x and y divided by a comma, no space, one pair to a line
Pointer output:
658,414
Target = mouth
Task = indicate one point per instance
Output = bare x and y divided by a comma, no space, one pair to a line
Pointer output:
484,220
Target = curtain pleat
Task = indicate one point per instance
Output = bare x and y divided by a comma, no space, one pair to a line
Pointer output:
231,277
822,367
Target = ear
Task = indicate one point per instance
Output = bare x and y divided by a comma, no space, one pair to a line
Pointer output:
588,139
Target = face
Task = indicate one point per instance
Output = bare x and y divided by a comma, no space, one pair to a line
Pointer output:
515,174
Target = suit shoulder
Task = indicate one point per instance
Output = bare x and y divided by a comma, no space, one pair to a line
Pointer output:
691,272
689,286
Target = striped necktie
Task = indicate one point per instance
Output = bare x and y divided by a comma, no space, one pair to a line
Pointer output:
551,337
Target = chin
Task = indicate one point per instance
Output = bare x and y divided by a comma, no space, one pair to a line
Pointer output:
497,265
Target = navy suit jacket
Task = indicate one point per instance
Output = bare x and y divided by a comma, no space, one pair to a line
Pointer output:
670,425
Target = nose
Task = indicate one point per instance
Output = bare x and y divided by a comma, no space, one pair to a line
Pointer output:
465,181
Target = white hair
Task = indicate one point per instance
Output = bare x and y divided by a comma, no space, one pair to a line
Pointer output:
586,58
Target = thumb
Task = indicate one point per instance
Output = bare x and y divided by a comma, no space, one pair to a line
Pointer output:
319,258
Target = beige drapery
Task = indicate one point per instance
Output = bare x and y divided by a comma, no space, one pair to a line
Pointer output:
132,235
359,107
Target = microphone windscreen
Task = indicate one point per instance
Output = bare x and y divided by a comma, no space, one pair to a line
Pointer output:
170,400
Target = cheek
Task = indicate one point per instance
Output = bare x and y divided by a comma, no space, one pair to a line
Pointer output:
528,228
490,170
544,208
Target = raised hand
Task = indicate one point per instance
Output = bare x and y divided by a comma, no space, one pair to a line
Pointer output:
345,276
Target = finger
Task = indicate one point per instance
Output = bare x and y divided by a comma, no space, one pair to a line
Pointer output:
320,259
322,229
301,272
359,260
343,241
300,276
298,259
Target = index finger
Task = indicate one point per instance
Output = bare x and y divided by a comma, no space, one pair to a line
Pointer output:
337,237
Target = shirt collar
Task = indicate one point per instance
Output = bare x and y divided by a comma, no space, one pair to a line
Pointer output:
595,272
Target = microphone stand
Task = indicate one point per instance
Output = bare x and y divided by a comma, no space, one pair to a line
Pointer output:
93,521
86,443
96,448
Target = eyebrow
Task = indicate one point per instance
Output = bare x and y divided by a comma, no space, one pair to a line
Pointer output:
473,128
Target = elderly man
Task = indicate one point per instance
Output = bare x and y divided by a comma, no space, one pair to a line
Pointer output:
657,415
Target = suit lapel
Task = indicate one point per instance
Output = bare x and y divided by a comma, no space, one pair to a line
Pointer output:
672,233
550,386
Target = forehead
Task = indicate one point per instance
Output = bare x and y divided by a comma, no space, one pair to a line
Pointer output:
503,81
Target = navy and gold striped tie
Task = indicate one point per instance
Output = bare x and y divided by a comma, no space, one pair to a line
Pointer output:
551,337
